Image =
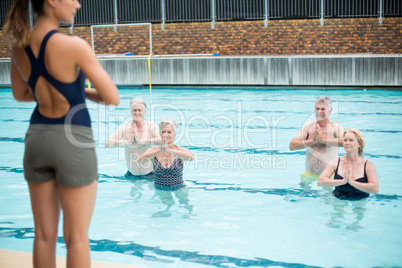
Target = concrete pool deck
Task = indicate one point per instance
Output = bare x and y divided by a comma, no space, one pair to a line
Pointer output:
18,259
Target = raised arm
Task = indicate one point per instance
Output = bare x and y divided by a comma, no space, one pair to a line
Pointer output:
115,140
303,138
150,153
181,152
325,176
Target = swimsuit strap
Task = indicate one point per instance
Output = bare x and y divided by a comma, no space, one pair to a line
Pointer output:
339,160
38,64
365,174
44,42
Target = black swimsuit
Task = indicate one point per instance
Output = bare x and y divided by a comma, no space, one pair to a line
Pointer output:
347,191
171,178
73,92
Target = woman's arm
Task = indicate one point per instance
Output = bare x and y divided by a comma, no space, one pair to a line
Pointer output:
372,185
150,153
181,152
325,177
19,86
93,95
104,91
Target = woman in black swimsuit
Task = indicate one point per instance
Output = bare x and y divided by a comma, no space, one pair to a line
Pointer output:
355,177
168,158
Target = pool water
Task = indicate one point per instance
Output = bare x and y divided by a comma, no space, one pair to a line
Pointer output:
246,206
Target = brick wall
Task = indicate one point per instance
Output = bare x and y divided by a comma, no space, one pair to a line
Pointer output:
282,37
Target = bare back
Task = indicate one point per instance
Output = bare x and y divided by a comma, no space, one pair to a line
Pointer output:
58,63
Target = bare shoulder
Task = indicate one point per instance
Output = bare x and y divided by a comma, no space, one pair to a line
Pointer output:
125,124
335,124
74,45
17,52
152,124
334,162
15,46
308,125
369,165
72,40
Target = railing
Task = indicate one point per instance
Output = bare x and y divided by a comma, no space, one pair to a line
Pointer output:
96,12
295,71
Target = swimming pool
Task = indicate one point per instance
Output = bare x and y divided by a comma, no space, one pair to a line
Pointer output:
246,205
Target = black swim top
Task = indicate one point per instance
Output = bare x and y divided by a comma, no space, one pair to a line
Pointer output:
73,92
170,178
347,191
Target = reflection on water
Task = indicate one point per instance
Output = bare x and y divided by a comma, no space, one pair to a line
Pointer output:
157,254
166,197
339,216
139,186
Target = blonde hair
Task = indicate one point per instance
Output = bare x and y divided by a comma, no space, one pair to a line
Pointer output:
168,121
17,20
359,137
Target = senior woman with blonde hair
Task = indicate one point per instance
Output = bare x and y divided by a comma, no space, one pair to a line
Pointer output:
354,177
168,158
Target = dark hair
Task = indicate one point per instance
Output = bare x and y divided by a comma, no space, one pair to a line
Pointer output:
17,19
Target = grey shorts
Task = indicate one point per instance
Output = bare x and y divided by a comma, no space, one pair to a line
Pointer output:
69,157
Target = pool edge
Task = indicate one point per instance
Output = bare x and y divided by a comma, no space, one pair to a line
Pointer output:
19,259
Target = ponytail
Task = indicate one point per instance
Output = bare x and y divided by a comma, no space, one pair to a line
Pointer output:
17,22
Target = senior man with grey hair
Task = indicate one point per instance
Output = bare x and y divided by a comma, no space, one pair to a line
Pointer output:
321,139
136,136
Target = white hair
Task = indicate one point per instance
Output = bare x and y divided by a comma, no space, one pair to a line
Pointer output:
168,121
325,99
138,100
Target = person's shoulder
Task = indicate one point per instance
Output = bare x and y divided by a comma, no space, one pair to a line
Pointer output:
123,126
309,124
16,49
15,46
334,161
334,123
70,42
368,163
152,124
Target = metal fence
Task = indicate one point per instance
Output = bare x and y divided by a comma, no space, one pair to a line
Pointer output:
95,12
